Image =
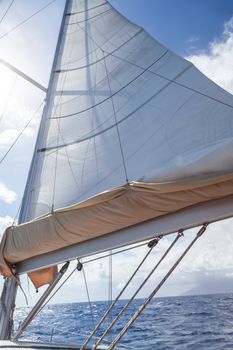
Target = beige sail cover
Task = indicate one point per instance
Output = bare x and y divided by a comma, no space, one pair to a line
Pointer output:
131,132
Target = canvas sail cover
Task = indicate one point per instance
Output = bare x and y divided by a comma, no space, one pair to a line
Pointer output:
131,132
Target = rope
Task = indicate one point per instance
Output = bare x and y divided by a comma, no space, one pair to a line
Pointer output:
142,307
119,295
40,303
138,290
24,294
5,13
88,297
27,19
21,132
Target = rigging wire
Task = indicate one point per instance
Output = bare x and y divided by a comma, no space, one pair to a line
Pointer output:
88,297
114,253
157,288
179,234
5,13
85,262
150,245
21,132
27,19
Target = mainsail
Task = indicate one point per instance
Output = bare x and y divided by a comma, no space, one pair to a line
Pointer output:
131,132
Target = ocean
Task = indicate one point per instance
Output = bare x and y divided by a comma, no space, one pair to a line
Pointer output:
187,322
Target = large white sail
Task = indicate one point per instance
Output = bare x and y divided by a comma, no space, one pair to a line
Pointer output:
132,132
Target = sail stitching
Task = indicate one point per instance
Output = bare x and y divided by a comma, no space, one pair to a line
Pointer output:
176,82
105,42
59,134
118,122
113,93
101,59
89,18
89,9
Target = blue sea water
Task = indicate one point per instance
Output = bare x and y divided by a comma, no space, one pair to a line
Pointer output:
188,322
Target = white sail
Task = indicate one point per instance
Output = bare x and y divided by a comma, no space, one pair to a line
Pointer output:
119,111
132,132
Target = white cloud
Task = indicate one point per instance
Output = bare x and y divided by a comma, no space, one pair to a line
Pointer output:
8,136
6,195
217,61
17,106
5,221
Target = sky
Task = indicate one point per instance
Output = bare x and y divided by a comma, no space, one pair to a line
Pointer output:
199,30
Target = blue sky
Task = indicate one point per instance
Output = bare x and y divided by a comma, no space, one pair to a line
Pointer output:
201,30
175,22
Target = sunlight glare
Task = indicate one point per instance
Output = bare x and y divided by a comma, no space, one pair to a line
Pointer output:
7,82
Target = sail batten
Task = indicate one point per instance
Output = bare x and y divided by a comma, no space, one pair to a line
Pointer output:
132,132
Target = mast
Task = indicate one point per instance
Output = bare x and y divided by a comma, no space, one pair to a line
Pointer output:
10,286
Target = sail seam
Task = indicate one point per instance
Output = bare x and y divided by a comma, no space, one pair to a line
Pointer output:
95,49
101,59
89,9
89,18
118,122
176,82
113,94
